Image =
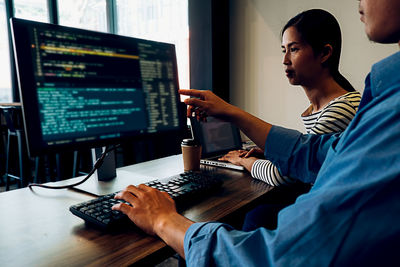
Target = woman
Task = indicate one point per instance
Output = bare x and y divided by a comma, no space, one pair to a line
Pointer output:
311,44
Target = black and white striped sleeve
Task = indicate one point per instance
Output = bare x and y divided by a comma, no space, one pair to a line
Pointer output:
267,172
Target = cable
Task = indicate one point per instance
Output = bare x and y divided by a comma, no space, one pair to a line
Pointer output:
96,165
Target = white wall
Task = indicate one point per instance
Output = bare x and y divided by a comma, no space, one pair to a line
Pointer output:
258,83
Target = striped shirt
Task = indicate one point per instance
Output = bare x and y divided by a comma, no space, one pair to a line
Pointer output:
334,117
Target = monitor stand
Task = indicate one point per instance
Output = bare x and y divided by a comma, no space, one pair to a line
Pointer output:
107,170
103,179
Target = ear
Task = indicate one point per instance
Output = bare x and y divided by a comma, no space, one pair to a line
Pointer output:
326,53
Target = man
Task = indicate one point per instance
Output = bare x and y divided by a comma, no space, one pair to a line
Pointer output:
351,215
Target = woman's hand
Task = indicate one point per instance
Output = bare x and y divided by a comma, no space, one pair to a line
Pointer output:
237,157
234,156
206,104
255,152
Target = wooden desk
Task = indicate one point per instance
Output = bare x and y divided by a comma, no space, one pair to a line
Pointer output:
37,228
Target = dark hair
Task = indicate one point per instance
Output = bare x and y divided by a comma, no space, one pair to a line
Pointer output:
318,27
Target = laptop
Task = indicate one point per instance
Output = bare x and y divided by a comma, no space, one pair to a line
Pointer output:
216,138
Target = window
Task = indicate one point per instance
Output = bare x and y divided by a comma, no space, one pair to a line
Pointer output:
159,20
31,9
86,14
5,81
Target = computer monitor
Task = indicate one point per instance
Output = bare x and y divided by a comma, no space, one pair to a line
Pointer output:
83,88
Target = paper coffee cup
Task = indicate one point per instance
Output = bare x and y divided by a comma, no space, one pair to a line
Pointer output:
191,154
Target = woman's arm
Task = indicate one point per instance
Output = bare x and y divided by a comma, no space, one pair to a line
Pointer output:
266,171
206,103
260,169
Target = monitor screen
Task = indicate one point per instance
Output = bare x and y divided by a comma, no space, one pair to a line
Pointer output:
82,88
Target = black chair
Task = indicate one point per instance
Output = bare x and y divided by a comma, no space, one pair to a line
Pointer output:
15,139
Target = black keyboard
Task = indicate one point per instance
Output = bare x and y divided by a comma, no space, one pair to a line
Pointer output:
184,188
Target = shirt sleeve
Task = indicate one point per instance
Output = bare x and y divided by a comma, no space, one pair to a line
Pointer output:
217,244
267,172
298,155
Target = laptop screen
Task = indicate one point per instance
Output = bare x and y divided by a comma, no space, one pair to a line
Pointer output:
216,137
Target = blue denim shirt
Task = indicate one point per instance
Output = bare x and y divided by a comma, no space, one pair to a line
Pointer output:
351,216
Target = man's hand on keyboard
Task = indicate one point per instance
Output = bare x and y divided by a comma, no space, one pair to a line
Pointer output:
154,212
148,206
